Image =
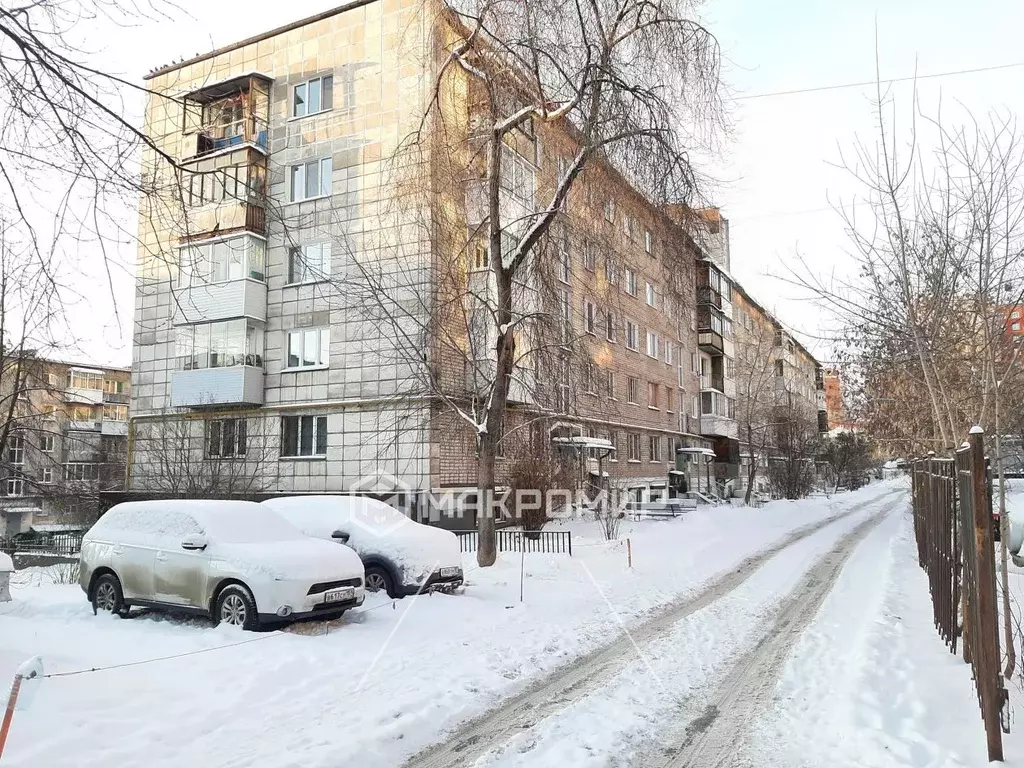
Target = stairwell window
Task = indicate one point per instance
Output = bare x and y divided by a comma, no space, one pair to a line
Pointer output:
310,180
308,348
313,96
303,436
309,263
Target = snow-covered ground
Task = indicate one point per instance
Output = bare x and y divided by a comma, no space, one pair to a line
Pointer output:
381,684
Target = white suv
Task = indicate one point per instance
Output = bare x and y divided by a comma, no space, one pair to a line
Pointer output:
235,561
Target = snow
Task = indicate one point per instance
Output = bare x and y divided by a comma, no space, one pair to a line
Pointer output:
374,528
6,564
977,430
234,522
390,678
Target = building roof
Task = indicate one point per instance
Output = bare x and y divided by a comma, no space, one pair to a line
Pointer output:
778,323
256,38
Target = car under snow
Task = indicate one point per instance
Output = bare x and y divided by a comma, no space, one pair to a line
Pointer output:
401,557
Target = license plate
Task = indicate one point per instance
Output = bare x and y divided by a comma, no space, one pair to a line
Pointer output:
449,572
337,595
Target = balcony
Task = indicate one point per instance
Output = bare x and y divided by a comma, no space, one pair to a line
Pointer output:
712,382
711,342
227,114
822,421
83,395
718,426
78,425
118,428
221,301
708,296
116,398
237,385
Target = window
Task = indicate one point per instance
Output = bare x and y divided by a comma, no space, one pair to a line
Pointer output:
648,242
614,455
670,352
1015,326
309,263
730,368
115,412
609,209
669,399
632,389
480,260
303,436
46,443
113,387
219,345
53,379
226,437
695,363
77,471
311,179
695,407
609,384
654,444
652,394
308,348
81,413
565,314
518,177
561,169
653,343
627,226
16,449
312,96
589,317
85,380
589,257
590,379
16,484
609,326
780,368
1015,314
652,295
632,336
611,272
564,258
234,258
693,319
631,282
46,475
633,442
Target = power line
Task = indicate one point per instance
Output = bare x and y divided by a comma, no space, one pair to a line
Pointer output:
814,89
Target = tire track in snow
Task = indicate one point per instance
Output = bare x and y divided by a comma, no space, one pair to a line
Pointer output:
552,694
714,737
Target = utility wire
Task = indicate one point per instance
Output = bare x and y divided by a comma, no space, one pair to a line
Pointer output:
814,89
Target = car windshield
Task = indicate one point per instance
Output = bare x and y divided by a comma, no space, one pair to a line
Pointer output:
251,525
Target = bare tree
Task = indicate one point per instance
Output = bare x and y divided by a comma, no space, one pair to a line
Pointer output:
848,455
757,391
187,455
610,86
796,442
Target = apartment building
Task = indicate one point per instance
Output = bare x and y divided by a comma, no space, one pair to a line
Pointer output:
834,406
778,380
67,442
249,349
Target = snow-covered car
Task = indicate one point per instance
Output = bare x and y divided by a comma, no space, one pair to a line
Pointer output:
401,557
234,561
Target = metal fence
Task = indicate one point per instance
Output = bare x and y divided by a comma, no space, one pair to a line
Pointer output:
952,504
59,545
552,542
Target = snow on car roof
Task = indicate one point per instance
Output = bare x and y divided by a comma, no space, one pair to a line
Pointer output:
219,518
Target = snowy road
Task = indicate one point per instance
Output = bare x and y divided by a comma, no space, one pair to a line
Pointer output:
598,695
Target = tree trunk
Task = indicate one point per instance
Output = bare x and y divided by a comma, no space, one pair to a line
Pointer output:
1004,545
486,551
752,467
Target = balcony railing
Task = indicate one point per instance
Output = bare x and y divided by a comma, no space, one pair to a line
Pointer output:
708,296
116,398
248,130
711,342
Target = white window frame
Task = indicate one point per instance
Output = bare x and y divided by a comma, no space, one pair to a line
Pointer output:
632,336
301,336
305,84
609,384
633,440
651,294
46,444
609,327
653,344
632,390
589,317
589,257
46,475
297,179
654,447
631,283
319,428
311,262
648,242
653,395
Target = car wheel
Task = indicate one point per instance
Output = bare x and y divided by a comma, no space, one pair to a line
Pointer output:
108,597
235,607
379,580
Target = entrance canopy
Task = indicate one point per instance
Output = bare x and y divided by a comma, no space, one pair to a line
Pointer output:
580,441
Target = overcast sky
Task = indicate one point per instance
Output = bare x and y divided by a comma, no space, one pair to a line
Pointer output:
777,172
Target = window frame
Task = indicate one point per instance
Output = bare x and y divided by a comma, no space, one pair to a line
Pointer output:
308,274
633,390
323,178
321,352
239,437
631,282
318,433
633,440
319,79
653,399
589,317
632,336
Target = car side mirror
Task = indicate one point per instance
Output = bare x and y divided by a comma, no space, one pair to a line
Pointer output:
340,536
194,541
